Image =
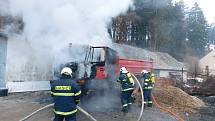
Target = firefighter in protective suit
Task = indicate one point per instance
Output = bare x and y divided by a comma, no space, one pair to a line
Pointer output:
127,85
66,95
148,84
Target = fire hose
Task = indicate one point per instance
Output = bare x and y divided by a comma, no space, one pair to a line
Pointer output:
166,110
141,90
50,105
142,103
92,118
156,103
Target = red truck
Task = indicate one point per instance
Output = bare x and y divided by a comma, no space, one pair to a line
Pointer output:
112,62
103,63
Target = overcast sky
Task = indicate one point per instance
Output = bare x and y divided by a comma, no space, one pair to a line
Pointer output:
208,7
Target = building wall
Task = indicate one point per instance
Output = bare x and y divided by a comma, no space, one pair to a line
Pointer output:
163,73
166,73
25,66
208,60
3,53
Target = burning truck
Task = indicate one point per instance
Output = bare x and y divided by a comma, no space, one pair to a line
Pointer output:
101,65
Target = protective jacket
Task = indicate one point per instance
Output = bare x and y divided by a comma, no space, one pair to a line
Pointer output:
66,95
126,81
147,81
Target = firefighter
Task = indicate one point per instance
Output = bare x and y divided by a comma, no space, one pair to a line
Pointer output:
66,95
127,85
147,88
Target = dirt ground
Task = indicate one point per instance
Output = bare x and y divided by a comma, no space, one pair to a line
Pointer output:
18,105
206,113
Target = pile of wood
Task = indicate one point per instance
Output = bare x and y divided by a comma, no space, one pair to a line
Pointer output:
207,88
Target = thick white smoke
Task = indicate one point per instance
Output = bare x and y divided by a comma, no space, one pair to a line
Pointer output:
52,24
49,27
4,7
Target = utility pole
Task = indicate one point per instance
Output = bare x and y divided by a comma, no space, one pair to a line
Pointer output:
182,71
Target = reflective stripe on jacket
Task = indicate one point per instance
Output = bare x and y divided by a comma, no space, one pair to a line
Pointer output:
126,81
147,82
65,113
66,95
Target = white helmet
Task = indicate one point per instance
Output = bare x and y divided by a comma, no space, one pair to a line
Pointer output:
66,71
144,71
123,70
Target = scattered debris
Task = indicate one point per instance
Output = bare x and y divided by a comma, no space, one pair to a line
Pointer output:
207,88
196,86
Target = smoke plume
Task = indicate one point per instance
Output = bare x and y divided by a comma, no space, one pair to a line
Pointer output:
51,24
49,27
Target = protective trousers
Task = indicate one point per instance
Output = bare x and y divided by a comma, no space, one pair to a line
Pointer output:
147,97
126,100
67,118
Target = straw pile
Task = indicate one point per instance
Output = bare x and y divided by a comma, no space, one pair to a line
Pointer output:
176,99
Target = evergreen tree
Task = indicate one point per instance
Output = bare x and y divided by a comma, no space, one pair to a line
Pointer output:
211,35
162,26
197,31
176,47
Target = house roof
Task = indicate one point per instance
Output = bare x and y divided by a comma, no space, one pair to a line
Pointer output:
208,60
161,60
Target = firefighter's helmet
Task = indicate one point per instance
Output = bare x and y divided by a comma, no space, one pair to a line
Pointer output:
66,71
144,71
123,70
